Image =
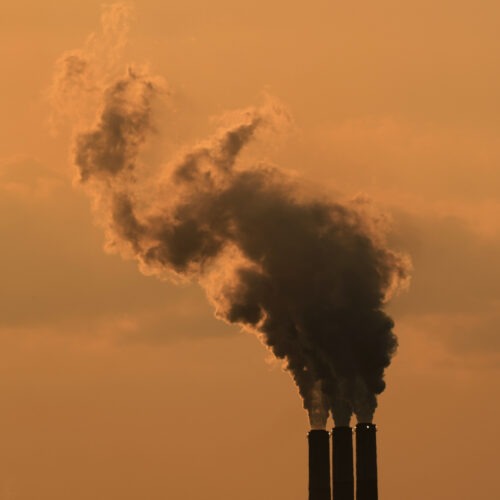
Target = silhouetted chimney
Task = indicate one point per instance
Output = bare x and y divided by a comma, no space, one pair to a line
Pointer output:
366,462
342,463
319,465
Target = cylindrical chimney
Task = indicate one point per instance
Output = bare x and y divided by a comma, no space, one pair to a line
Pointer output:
319,465
366,462
342,463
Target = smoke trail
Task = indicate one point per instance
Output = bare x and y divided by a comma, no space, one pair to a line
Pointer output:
80,75
309,276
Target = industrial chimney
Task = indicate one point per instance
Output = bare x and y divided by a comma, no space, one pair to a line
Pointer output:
319,465
366,462
342,463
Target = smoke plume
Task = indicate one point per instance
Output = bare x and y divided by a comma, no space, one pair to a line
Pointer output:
309,276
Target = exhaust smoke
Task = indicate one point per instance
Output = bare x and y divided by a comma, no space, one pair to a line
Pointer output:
309,276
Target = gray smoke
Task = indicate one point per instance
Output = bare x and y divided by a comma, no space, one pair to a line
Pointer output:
311,277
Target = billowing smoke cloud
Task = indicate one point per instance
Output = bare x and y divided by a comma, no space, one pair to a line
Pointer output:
309,276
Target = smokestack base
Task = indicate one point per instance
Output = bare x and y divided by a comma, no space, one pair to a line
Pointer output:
342,462
366,462
319,465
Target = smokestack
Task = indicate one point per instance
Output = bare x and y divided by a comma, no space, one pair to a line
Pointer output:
319,465
366,462
342,462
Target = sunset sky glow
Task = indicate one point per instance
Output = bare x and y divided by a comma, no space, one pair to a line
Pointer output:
117,385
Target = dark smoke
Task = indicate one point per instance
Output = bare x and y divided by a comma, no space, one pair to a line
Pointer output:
311,277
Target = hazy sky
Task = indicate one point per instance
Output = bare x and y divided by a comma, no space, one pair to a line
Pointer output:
114,385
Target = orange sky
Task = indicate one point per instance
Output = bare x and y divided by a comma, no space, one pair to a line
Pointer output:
114,385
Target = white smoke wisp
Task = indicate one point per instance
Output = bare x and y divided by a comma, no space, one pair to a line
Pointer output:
318,411
80,75
309,276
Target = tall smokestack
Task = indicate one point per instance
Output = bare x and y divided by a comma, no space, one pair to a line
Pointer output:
366,462
319,465
342,462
